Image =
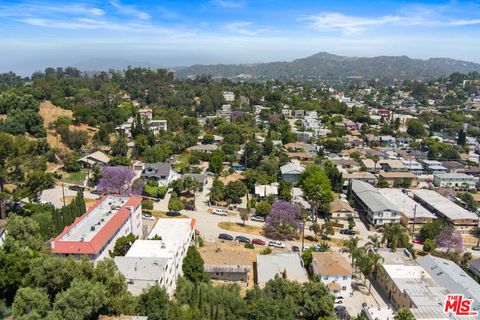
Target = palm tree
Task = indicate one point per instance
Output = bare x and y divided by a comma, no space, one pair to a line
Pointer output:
351,247
395,235
374,242
375,159
376,262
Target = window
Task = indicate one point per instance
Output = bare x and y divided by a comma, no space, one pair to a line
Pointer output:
344,288
345,277
325,278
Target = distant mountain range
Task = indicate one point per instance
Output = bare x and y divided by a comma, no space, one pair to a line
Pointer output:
105,64
325,66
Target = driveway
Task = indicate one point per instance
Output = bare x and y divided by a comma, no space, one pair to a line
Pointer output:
55,195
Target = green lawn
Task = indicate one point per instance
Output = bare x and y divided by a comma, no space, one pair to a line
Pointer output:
75,177
183,158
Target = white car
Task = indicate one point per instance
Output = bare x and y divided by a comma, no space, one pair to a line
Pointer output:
148,217
220,212
257,218
276,244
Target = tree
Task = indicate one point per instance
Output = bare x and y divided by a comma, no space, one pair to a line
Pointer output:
157,153
382,183
351,247
462,138
351,222
262,208
119,147
193,265
327,228
122,245
335,176
282,222
30,303
374,242
83,300
38,181
24,232
216,161
404,314
116,180
235,190
154,304
416,128
395,236
429,245
316,188
244,215
430,230
285,190
317,229
175,204
217,191
449,239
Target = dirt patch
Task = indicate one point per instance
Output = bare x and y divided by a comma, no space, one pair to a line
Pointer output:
88,202
239,227
161,214
50,113
3,116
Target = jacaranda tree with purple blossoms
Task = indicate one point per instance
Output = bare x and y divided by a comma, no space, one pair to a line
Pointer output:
116,180
449,239
282,223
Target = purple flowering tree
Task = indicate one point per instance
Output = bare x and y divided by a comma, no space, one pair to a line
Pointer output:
235,115
116,180
450,239
283,221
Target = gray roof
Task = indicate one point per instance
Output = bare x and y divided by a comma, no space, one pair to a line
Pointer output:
292,168
199,177
451,276
371,197
159,169
289,262
443,206
454,176
405,204
141,268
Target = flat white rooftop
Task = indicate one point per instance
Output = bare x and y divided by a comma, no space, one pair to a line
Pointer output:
172,229
153,249
95,220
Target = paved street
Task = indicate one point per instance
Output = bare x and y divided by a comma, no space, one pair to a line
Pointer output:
55,195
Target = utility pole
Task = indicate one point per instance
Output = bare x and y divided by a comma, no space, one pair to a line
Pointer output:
63,193
414,218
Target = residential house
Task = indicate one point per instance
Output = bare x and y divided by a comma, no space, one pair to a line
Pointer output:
263,191
288,265
388,141
457,181
96,158
201,178
228,96
157,125
373,206
403,179
371,166
300,156
361,176
94,233
413,167
163,173
393,166
341,209
433,166
452,166
334,271
205,148
291,171
151,262
238,167
227,265
302,147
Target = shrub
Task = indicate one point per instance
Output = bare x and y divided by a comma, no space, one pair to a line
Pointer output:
266,251
249,246
154,192
147,204
175,205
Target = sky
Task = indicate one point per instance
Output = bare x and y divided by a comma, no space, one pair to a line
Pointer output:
37,34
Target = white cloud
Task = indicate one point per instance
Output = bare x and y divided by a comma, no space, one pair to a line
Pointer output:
240,27
414,15
36,9
229,3
129,10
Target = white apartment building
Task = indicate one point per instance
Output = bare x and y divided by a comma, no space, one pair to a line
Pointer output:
94,234
151,262
228,96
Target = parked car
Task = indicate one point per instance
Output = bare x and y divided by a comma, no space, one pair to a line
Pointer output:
349,232
173,213
295,249
476,248
341,312
417,241
190,207
257,218
225,236
338,302
276,244
220,212
76,188
242,239
197,233
258,241
148,216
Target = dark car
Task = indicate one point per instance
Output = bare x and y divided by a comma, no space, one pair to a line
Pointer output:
242,239
295,249
341,312
76,188
476,248
225,236
258,241
349,232
173,213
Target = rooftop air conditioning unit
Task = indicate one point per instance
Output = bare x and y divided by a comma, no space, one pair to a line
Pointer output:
92,228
